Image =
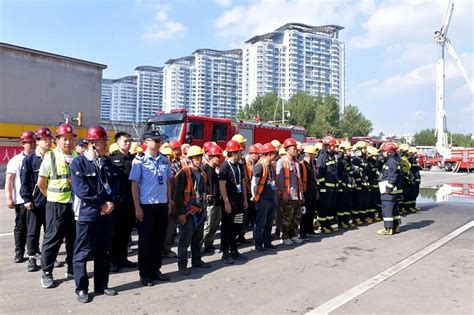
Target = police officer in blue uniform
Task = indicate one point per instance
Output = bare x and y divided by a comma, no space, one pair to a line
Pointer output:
94,183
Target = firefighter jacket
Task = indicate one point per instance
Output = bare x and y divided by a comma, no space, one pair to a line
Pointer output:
327,170
345,172
361,171
415,170
392,173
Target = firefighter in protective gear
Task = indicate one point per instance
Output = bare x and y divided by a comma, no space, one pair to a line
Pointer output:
288,176
189,199
35,201
408,180
390,189
346,185
374,203
415,170
327,181
310,191
233,189
263,194
94,200
54,181
361,176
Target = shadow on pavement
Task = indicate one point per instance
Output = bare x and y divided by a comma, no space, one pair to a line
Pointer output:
416,225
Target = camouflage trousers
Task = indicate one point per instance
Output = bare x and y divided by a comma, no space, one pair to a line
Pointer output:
290,218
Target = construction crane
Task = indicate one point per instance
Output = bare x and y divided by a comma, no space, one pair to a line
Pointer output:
443,42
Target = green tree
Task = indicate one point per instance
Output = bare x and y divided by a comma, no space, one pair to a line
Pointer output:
461,140
302,110
353,123
425,137
263,106
327,117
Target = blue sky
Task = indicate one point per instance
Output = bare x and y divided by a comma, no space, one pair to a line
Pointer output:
390,51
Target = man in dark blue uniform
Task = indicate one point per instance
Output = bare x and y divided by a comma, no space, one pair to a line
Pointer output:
390,189
94,185
35,201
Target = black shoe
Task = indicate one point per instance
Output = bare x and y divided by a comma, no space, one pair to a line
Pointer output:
304,237
147,282
227,259
58,264
238,256
82,296
32,265
169,254
106,291
160,277
114,267
47,280
18,258
201,264
209,250
185,271
262,249
270,246
129,264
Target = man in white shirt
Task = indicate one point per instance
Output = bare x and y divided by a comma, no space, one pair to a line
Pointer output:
12,192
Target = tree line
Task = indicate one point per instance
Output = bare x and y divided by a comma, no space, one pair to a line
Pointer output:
427,137
320,116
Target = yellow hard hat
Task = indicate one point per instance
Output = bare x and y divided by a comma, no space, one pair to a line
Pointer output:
276,144
345,145
318,146
311,149
113,147
359,145
404,147
282,151
168,152
194,150
372,151
412,150
239,138
136,148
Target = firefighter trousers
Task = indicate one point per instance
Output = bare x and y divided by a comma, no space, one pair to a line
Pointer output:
307,218
326,206
343,205
390,212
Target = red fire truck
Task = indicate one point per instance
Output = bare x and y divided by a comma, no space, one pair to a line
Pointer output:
178,125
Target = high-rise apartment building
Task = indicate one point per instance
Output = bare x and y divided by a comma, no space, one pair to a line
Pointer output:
295,57
106,99
149,91
207,83
124,99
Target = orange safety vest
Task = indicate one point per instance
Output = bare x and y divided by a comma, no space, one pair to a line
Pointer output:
286,173
189,190
262,182
304,175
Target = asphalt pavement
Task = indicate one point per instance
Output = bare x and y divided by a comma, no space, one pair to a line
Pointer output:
427,268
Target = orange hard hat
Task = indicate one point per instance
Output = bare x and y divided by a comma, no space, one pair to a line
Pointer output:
214,150
329,140
289,142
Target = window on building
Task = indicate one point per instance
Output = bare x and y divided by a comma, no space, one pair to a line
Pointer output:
219,132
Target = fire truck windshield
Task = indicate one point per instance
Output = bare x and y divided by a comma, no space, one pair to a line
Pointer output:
171,131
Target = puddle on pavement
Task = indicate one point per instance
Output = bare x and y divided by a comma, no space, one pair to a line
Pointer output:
462,193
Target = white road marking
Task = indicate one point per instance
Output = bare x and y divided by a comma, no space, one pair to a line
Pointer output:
6,234
350,294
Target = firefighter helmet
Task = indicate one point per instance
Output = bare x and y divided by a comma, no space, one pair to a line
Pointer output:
194,150
310,149
174,144
318,146
233,146
168,152
43,132
389,147
27,136
239,138
412,150
372,151
404,147
282,151
215,150
253,149
345,145
359,145
289,142
96,132
65,129
329,140
276,144
268,148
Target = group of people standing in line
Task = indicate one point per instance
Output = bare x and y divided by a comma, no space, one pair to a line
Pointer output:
91,198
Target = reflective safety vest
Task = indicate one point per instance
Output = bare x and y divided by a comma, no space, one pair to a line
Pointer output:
189,191
263,180
304,174
249,164
59,181
286,175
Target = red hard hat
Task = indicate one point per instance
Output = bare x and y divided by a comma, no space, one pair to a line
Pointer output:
27,136
65,129
253,149
289,142
267,148
329,140
389,147
174,144
206,146
258,145
43,132
96,132
233,146
214,150
185,149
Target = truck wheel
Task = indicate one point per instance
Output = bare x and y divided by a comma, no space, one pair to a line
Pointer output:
448,167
